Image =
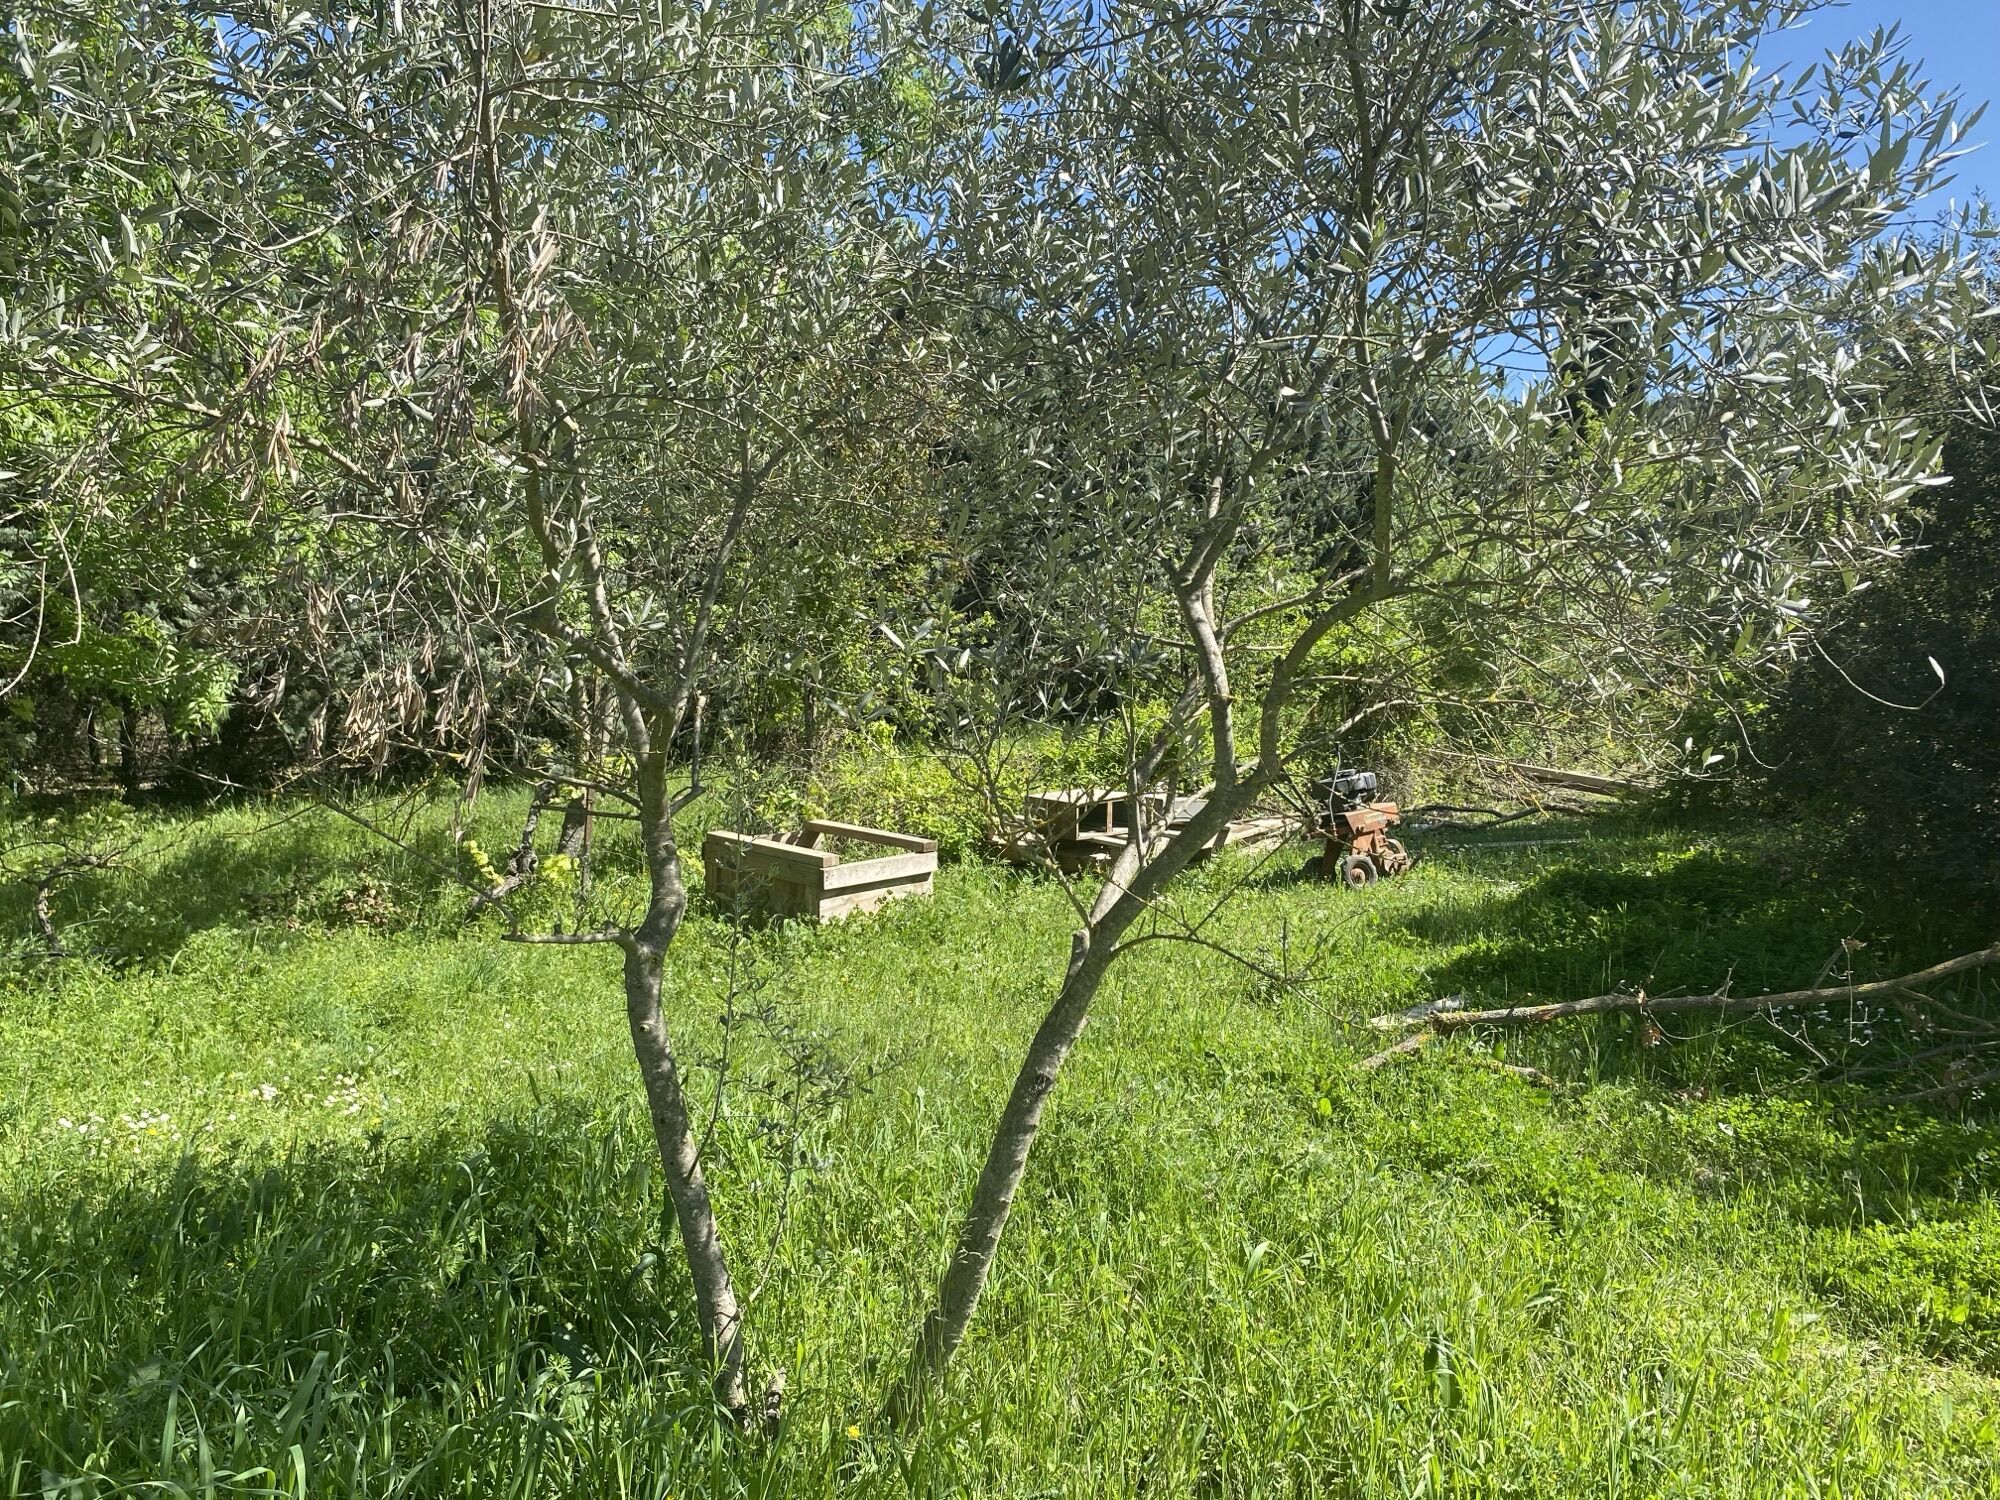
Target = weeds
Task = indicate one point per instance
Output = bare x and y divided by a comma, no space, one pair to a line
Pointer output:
298,1200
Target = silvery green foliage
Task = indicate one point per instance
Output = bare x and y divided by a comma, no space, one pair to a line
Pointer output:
1550,308
500,286
1288,319
560,327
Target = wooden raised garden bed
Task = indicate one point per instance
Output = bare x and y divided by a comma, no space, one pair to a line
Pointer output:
793,876
1085,827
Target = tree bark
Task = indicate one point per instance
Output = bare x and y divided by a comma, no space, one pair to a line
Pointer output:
721,1318
573,838
521,864
716,1307
1133,881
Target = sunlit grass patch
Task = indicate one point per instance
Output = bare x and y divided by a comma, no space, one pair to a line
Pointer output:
350,1207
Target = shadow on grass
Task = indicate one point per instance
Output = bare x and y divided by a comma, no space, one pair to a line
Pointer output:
1756,917
290,874
458,1287
1294,864
1689,924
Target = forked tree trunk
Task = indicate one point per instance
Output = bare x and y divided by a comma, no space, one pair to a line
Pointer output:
1128,889
1006,1161
1138,875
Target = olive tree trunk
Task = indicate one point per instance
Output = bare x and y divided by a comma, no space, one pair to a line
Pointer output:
717,1310
1142,870
1136,877
716,1307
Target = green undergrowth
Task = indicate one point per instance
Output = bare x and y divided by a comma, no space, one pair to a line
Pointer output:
309,1187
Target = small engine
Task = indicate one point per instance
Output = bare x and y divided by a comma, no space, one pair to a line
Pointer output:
1358,849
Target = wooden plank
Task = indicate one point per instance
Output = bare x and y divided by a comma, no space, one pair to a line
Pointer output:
793,898
864,872
1068,811
825,826
1109,843
1254,832
771,877
1075,796
728,878
843,904
746,847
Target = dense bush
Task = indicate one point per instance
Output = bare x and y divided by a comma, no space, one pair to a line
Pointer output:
1911,789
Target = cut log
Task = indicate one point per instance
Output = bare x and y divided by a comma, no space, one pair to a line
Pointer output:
1582,781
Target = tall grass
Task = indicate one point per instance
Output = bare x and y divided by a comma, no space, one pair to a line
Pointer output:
307,1190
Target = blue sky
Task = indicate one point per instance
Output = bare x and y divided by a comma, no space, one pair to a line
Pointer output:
1958,42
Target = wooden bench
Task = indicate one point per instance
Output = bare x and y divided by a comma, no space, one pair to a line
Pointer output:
792,877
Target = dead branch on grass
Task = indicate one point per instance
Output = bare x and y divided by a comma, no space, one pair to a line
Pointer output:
1442,1022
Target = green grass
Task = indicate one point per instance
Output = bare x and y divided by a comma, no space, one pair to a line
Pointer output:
305,1189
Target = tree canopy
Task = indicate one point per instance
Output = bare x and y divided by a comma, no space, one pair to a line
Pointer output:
497,384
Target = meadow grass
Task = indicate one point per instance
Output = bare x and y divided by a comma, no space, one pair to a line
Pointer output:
308,1189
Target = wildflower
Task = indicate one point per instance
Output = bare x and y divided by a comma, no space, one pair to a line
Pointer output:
148,1122
854,1431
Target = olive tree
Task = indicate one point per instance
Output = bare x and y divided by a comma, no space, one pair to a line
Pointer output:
568,320
1535,315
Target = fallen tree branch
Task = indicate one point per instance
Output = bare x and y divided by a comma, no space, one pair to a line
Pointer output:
1522,843
1581,781
1521,1071
1945,1090
1956,1049
1441,1022
1421,819
1416,1041
616,935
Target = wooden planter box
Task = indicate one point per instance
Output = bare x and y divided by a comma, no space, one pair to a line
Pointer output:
791,877
1085,827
